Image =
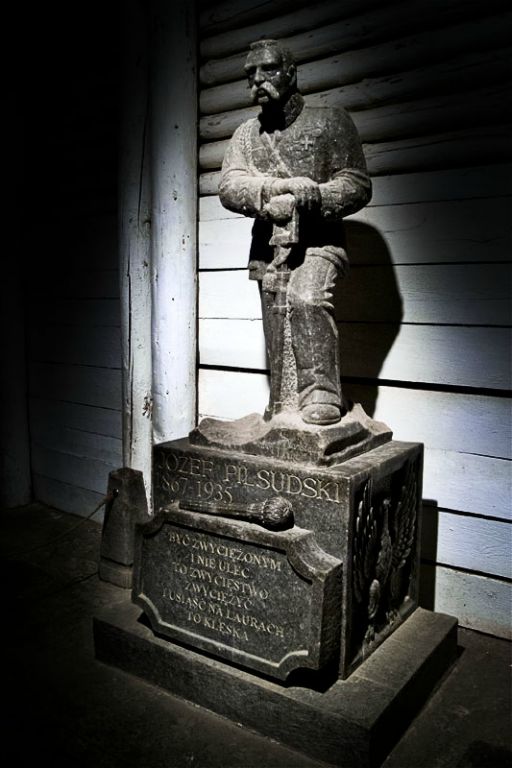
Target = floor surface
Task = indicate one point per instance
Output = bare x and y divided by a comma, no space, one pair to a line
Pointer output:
62,706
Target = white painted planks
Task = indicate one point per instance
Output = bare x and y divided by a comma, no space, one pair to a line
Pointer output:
457,430
469,294
440,354
467,542
230,394
450,421
442,420
427,303
468,482
471,230
479,602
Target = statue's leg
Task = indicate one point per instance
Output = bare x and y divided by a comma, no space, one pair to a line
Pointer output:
274,311
267,303
267,306
315,339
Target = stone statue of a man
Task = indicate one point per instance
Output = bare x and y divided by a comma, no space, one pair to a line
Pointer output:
298,171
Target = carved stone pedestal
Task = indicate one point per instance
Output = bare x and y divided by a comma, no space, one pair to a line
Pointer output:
360,517
282,593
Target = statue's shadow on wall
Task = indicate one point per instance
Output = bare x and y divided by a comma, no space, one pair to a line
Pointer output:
369,311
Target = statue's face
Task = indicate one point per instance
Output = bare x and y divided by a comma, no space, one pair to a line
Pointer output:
268,80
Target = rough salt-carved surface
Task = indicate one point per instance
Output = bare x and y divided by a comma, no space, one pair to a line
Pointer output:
362,512
286,436
298,171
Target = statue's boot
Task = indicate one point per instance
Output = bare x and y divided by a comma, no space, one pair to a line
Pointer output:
315,341
316,350
321,414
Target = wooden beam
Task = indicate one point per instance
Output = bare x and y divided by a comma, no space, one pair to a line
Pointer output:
134,246
490,144
232,14
284,25
458,185
209,183
364,83
174,210
440,151
418,117
356,42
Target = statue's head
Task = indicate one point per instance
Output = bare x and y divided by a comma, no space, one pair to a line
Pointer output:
271,72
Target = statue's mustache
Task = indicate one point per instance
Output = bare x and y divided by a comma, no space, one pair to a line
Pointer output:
269,89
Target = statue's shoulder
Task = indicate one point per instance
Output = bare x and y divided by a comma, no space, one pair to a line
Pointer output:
245,129
334,122
327,114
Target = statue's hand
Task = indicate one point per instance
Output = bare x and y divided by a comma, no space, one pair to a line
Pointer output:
280,207
305,191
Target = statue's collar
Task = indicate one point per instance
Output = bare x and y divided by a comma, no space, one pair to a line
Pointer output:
279,120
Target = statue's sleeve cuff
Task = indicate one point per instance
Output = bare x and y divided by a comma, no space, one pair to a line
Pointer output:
266,191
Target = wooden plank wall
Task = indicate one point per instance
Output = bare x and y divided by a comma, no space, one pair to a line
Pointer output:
73,323
424,316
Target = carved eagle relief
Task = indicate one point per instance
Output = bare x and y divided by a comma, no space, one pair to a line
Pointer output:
383,540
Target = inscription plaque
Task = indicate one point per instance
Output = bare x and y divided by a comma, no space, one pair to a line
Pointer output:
183,476
268,600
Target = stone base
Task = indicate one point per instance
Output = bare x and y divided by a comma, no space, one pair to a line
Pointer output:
288,438
353,723
363,512
115,573
126,505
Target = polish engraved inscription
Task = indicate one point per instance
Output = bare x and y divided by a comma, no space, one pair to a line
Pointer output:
268,601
